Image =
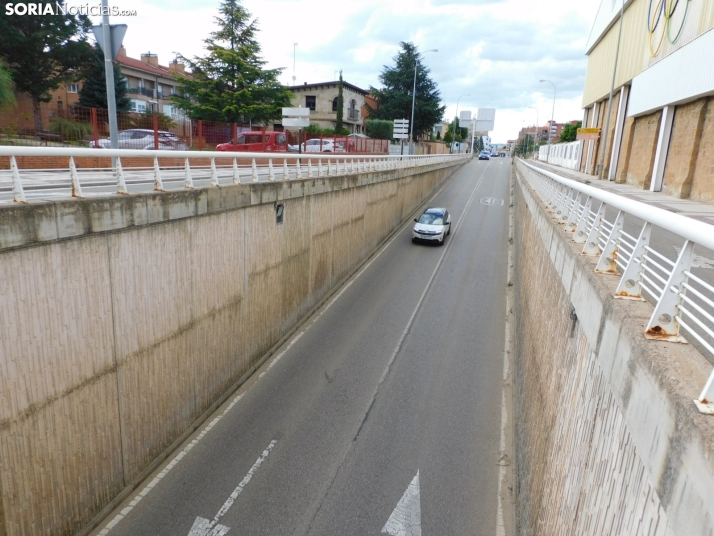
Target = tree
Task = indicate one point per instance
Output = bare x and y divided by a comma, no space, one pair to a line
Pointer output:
94,89
395,98
43,51
229,83
570,132
340,104
7,94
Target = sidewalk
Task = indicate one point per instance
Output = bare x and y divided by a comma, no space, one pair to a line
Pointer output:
685,207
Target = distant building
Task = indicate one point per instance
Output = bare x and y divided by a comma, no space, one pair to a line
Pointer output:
321,99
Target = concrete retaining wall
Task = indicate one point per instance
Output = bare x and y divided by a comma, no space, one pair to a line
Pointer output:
609,441
124,319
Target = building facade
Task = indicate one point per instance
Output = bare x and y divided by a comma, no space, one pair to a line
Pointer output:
321,99
658,130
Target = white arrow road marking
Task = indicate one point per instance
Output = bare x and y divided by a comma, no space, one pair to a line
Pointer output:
204,527
406,518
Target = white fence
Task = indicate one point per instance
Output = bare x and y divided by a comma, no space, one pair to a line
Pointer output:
683,301
565,155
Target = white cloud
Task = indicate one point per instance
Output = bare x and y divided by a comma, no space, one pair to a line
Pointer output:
496,51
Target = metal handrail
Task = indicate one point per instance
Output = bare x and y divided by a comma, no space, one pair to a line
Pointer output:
306,165
572,201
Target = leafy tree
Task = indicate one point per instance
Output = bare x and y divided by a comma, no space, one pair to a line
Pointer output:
94,89
570,132
379,129
7,94
438,134
43,51
448,137
230,83
340,104
395,98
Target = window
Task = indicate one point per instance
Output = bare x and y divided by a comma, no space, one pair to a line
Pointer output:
72,88
310,102
280,139
334,104
138,105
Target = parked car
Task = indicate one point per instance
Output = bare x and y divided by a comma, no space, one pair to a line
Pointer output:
434,225
323,146
143,138
257,141
484,155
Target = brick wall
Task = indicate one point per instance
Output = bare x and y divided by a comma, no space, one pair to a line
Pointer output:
703,177
683,148
646,131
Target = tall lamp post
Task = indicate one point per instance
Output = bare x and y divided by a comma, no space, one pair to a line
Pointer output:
609,100
294,54
453,132
535,130
411,121
552,116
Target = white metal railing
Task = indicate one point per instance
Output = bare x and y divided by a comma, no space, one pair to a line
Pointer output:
682,299
17,185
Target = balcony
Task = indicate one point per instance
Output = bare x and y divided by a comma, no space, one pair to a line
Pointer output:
141,91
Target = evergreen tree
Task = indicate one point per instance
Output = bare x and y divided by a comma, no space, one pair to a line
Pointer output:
229,83
7,93
43,51
395,98
94,89
340,105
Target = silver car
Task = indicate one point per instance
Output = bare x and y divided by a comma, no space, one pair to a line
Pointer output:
434,225
143,138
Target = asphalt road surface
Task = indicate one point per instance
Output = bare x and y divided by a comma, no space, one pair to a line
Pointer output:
382,414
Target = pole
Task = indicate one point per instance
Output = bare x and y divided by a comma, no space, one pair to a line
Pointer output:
294,49
411,119
552,116
453,125
109,76
609,100
535,129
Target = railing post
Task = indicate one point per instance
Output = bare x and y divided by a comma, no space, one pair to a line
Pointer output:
236,173
579,237
663,324
574,209
286,177
310,175
319,167
158,183
629,286
298,171
214,173
255,172
608,259
76,187
17,191
121,183
705,402
188,182
592,247
271,175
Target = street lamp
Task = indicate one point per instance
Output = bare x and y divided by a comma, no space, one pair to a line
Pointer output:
294,53
535,129
552,116
609,100
411,121
453,131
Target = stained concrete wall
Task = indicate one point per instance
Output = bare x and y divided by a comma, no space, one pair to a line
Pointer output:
608,439
123,319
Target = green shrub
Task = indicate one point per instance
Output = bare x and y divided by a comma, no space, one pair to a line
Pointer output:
70,130
146,120
380,129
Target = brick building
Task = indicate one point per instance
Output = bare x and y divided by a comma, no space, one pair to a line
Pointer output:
661,124
321,99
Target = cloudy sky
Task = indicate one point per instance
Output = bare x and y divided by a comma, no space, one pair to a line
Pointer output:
491,53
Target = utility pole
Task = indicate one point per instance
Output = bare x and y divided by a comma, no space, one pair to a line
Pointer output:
109,74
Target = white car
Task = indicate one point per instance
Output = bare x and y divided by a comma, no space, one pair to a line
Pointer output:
142,138
434,225
328,146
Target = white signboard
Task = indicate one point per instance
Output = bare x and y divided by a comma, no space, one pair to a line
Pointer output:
485,119
296,122
401,129
296,112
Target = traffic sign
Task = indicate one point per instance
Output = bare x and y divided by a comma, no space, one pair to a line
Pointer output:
296,122
296,112
588,134
401,129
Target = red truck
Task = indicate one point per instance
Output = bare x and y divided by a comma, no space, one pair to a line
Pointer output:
257,142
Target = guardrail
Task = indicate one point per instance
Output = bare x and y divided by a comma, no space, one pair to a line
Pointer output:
682,300
284,166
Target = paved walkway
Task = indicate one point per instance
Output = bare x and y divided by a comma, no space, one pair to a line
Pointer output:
685,207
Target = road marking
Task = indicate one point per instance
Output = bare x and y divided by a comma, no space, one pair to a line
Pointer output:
698,261
204,527
406,517
492,201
